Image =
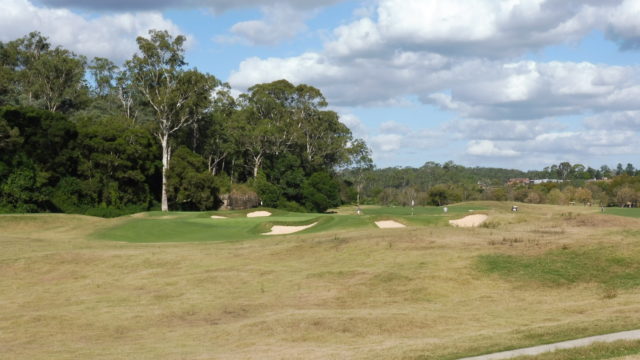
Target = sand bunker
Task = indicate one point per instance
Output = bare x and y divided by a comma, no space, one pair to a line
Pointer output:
389,224
259,214
469,221
218,217
281,229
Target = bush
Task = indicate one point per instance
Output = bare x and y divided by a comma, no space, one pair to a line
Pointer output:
291,206
67,195
268,192
22,191
190,185
320,192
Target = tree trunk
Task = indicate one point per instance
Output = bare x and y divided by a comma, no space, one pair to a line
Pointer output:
256,165
166,154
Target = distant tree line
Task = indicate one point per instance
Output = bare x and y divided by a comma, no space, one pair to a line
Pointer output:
440,184
93,137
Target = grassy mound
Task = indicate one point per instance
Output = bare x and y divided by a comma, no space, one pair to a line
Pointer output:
195,227
605,265
159,227
634,212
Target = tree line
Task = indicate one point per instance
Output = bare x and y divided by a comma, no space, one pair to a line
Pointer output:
105,139
94,137
440,184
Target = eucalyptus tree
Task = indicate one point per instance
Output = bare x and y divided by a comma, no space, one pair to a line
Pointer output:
111,89
103,72
282,117
327,142
39,75
176,95
26,51
220,141
361,163
59,78
8,73
268,120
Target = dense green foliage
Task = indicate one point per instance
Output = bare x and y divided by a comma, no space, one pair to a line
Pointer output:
92,137
191,186
36,154
440,184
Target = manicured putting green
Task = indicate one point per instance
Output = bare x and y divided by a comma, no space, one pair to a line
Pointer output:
191,227
155,227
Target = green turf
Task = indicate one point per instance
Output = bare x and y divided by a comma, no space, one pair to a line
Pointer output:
607,266
421,215
198,226
421,210
192,227
598,351
633,212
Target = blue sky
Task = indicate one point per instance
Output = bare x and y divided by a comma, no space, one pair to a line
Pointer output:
509,83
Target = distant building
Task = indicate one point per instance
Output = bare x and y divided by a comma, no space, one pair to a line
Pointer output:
517,181
603,179
542,181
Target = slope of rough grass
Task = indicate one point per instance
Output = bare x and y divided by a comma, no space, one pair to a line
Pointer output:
633,212
344,293
610,266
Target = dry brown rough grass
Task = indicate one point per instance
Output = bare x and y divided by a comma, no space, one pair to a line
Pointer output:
364,294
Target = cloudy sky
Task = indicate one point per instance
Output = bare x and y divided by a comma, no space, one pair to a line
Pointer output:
512,83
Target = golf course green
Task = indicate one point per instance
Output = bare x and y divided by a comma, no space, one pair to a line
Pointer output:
228,226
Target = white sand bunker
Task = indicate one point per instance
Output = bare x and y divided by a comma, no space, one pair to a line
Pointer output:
259,214
389,224
281,229
218,217
469,221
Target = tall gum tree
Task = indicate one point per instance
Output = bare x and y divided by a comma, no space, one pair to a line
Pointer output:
361,163
175,94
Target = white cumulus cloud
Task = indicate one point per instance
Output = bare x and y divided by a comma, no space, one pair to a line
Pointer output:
280,22
215,5
111,36
489,148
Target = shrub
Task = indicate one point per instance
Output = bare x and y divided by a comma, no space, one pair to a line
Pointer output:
320,192
268,192
190,185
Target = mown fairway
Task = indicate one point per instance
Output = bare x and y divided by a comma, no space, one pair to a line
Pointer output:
186,286
191,227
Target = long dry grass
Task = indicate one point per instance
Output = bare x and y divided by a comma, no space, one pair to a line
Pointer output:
413,293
